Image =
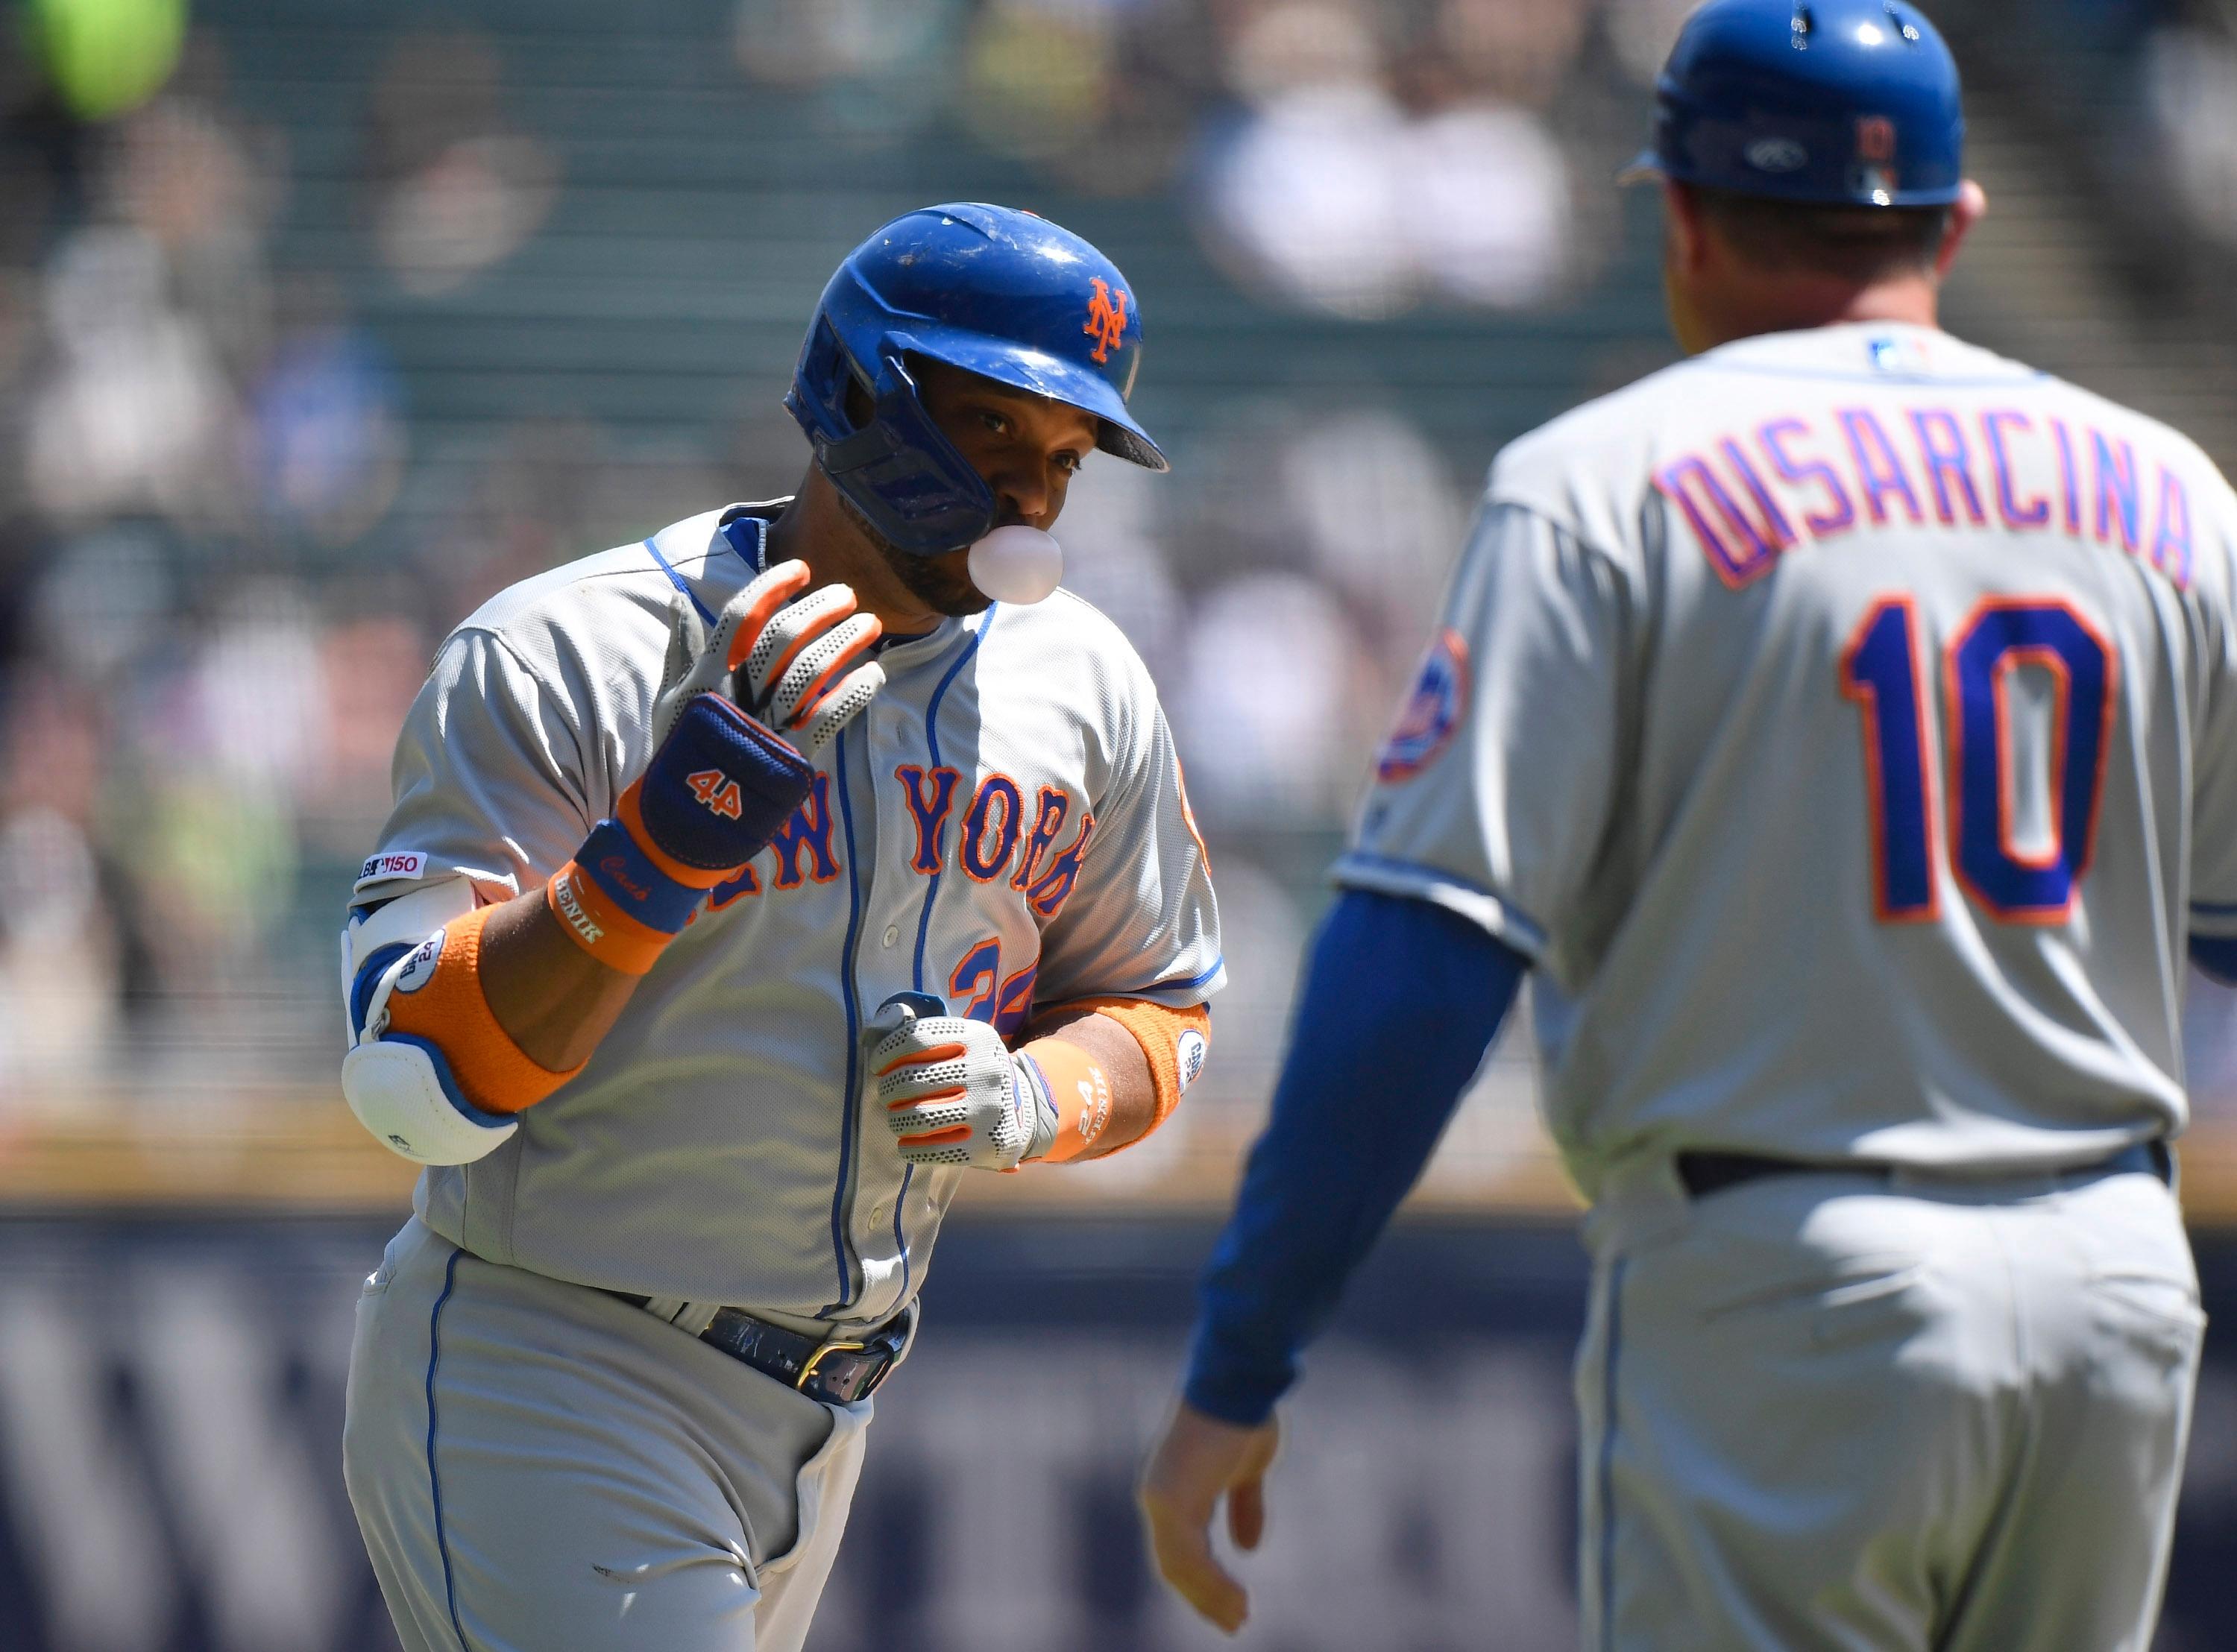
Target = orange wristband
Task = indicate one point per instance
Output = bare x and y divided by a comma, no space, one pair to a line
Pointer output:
1175,1042
594,923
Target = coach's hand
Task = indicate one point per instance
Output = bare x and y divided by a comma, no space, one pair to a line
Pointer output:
953,1093
1198,1460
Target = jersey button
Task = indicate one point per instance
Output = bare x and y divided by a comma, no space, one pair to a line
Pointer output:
892,933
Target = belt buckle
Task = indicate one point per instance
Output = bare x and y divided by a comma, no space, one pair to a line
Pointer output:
808,1369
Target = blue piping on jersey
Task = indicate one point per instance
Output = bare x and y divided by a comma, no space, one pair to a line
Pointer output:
676,580
849,1104
434,1482
2215,908
1178,982
1608,1452
931,891
931,745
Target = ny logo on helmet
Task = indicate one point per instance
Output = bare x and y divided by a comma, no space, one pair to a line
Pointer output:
1106,318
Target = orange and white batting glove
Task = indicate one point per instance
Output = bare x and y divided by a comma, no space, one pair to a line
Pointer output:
953,1091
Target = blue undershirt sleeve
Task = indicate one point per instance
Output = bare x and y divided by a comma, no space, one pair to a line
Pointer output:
2217,955
1401,1001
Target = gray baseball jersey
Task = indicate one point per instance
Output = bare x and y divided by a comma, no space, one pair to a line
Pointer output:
1005,826
1845,722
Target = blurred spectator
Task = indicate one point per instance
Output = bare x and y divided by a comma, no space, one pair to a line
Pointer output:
57,963
459,190
103,600
885,65
1372,501
2190,80
329,436
202,188
1488,220
1101,92
230,732
135,413
1641,33
1328,189
1114,557
369,667
1268,704
1038,73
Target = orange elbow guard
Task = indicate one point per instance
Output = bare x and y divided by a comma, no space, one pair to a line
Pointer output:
437,1002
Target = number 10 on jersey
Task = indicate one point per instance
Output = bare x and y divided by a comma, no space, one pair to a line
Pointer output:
1882,672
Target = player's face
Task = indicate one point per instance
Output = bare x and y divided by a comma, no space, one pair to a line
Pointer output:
1027,447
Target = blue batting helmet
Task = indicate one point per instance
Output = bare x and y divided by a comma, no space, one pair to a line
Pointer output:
1827,101
1002,293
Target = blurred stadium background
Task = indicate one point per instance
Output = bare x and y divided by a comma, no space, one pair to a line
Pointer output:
320,322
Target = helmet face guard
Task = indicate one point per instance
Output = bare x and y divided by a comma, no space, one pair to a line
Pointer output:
1003,294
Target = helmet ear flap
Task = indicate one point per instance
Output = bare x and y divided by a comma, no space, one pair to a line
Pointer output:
884,453
818,398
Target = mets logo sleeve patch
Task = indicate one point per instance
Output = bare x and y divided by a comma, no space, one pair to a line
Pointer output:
1432,711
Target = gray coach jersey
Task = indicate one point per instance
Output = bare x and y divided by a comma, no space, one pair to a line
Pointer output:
1004,826
1846,721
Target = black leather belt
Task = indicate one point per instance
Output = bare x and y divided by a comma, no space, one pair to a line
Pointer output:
838,1373
1704,1173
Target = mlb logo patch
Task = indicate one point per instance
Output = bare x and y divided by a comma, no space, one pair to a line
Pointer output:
1898,357
402,863
1432,711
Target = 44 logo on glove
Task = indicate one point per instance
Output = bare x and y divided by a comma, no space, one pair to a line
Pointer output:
718,791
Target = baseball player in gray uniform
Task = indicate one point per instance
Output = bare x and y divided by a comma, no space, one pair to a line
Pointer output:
745,888
1840,730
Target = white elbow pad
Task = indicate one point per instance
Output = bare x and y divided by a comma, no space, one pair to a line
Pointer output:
400,1088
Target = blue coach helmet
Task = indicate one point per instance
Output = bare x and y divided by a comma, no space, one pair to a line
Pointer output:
999,293
1829,101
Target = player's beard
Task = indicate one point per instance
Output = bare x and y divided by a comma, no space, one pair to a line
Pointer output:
940,582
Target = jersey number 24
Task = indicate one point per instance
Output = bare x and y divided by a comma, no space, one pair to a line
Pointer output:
1882,671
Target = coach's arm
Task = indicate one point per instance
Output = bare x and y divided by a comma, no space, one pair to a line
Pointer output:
1401,1002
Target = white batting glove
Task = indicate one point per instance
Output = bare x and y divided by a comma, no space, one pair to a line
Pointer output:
953,1093
795,663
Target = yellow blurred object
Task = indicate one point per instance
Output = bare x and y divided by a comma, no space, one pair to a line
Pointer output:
105,56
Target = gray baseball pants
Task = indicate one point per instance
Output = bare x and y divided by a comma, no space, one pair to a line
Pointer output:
1829,1412
538,1467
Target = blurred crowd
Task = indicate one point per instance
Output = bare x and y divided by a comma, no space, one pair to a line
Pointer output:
202,676
227,549
232,531
1350,157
